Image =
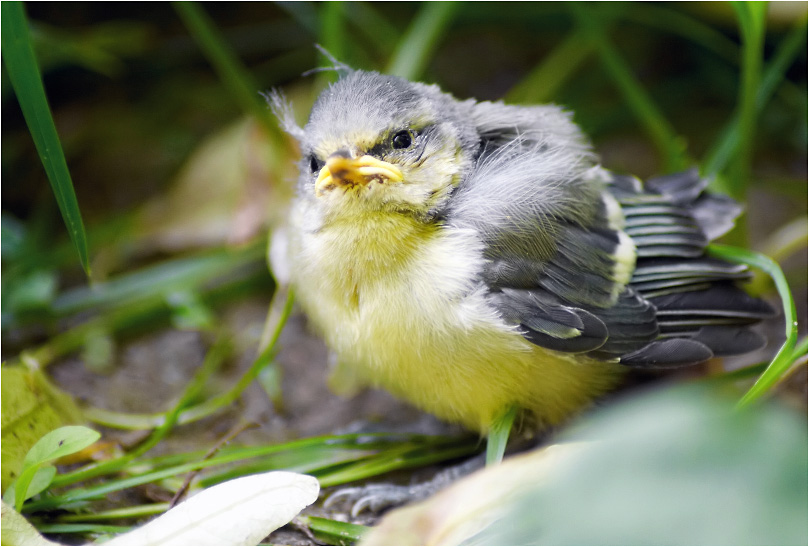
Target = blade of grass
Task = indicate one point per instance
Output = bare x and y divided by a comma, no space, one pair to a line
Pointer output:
23,71
752,23
374,26
437,449
247,267
232,72
785,356
134,511
671,146
332,32
498,436
184,273
211,406
304,13
213,361
662,17
545,80
334,531
393,460
727,144
419,42
82,528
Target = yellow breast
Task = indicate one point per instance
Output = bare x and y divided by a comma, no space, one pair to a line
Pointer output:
400,302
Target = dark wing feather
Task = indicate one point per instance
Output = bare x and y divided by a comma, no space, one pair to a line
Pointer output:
552,249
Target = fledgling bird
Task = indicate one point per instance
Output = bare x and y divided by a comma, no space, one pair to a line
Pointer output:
473,256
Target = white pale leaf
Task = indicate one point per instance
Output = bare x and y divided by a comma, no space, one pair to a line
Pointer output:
241,511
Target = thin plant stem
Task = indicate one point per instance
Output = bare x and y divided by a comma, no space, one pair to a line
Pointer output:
785,356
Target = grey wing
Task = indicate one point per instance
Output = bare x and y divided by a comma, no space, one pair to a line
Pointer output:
562,268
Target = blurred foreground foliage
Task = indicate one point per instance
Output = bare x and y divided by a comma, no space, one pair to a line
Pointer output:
179,170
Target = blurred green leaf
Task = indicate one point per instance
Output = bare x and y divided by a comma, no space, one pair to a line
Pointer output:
99,48
189,312
21,65
678,466
28,294
12,237
671,468
421,38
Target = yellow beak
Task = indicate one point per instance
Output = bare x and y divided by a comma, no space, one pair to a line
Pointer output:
341,171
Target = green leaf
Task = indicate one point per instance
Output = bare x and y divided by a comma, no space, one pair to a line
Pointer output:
54,445
21,65
61,442
31,407
41,481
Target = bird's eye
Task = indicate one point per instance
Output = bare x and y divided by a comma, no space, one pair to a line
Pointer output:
402,140
315,164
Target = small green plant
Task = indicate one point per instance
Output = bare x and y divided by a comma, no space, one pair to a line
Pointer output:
37,473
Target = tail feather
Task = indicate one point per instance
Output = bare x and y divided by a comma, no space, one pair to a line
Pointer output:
700,310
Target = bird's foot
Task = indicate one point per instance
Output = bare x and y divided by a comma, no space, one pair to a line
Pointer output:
382,496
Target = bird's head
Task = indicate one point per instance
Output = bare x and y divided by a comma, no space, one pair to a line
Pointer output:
381,143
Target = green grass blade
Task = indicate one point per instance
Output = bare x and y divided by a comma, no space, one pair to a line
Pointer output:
498,436
421,39
332,32
543,82
134,511
670,145
23,71
366,18
232,72
660,16
56,528
786,355
752,20
727,144
333,531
